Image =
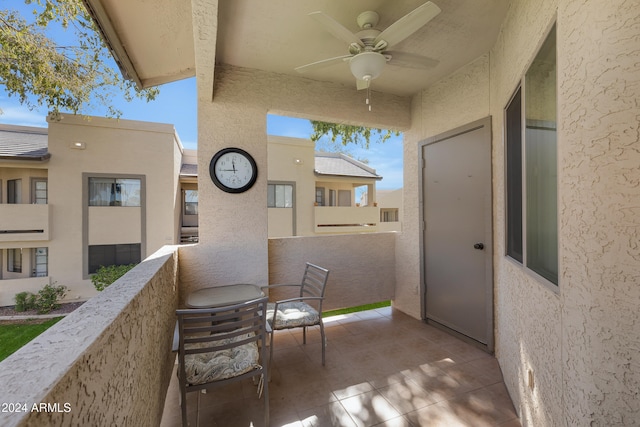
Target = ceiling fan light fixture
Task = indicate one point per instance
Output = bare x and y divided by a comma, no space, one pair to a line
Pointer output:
367,64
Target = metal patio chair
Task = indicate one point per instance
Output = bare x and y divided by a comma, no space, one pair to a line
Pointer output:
303,311
217,346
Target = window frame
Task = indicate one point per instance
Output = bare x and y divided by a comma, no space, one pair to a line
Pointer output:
34,190
273,185
14,191
113,202
522,90
11,264
116,248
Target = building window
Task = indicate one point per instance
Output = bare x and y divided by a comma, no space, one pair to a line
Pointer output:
191,202
14,191
40,262
279,195
344,198
14,260
389,215
513,122
531,169
114,192
320,196
106,255
39,193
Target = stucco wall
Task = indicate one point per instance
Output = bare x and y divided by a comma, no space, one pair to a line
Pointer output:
234,231
581,342
112,148
107,363
599,125
361,266
283,153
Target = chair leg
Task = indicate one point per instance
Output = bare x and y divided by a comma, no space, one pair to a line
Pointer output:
304,335
323,340
270,363
265,396
183,406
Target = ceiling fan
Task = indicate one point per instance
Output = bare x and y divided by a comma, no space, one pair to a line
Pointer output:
368,48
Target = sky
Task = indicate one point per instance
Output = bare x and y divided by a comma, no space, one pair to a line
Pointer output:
177,105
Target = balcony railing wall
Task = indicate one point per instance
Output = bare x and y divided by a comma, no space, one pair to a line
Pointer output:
107,363
362,266
346,219
24,223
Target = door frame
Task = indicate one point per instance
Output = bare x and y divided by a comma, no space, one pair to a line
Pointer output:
485,124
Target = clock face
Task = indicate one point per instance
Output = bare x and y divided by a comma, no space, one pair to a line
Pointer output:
233,170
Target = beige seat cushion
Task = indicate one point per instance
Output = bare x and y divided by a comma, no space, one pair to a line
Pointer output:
292,315
207,367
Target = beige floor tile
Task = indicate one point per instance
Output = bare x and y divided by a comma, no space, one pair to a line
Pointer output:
383,368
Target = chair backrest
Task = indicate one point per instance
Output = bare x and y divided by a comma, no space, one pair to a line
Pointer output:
208,330
314,281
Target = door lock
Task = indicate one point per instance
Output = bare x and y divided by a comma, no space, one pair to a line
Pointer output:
479,246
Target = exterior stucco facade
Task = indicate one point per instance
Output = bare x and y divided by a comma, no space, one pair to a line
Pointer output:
106,148
580,341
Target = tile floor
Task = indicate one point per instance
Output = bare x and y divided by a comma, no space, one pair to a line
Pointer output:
383,368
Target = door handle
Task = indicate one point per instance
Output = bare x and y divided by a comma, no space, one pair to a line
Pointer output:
479,246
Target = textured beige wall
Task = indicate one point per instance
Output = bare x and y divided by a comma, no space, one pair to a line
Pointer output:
599,115
361,270
117,147
282,154
582,341
233,233
110,360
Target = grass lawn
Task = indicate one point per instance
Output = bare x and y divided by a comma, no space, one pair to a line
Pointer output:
356,309
14,336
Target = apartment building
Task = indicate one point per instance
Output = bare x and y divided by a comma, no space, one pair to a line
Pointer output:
316,193
90,191
87,192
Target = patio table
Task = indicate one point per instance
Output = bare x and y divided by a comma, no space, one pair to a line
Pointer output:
218,296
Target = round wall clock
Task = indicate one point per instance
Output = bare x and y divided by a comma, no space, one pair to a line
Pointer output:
233,170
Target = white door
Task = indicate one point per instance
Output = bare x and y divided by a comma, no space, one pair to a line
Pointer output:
456,184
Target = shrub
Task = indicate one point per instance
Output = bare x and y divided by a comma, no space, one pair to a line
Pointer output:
25,301
47,298
45,301
107,275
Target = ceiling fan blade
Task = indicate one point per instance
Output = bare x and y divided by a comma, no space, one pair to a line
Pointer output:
408,24
335,28
321,64
408,60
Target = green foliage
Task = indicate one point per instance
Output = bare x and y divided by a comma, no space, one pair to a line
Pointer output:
356,309
107,275
45,301
47,298
25,301
12,337
64,78
349,134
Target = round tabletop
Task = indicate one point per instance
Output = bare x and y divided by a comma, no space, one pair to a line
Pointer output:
218,296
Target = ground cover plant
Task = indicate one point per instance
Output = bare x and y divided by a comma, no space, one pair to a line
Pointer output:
15,335
356,309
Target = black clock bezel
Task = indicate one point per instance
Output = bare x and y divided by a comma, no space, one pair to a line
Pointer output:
220,185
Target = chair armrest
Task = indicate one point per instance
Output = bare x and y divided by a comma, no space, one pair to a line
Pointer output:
176,338
280,285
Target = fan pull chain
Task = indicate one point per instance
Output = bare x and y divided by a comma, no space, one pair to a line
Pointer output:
368,101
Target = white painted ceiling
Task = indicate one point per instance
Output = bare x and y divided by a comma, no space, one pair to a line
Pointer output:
278,36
